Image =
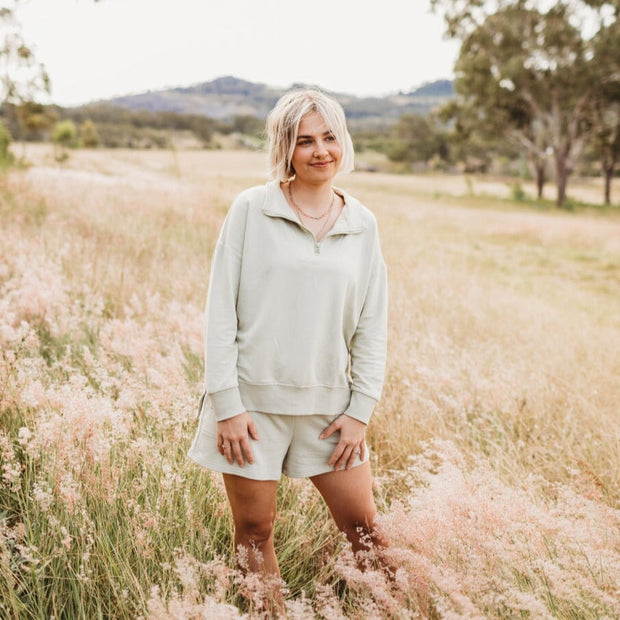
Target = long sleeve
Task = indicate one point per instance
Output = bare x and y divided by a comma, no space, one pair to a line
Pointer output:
221,316
368,348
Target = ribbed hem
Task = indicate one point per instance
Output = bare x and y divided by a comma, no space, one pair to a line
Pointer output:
226,403
292,400
361,407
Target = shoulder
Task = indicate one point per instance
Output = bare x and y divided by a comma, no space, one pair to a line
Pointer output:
358,213
248,201
251,197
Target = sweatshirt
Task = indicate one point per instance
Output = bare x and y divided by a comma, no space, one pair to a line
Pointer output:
295,326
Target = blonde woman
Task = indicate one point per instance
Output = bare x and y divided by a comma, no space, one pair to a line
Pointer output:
296,324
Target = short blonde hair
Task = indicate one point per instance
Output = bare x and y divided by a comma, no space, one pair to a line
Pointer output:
283,126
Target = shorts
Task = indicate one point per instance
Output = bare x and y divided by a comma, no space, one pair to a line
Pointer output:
287,444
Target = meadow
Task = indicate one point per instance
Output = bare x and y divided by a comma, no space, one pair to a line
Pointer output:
495,447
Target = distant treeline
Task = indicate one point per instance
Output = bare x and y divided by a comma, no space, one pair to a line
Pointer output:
413,142
116,127
421,141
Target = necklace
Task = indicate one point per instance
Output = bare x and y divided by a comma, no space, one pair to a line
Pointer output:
312,217
319,235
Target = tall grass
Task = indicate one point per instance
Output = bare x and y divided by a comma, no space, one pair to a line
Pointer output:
495,446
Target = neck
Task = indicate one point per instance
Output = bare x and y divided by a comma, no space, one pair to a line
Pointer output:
312,196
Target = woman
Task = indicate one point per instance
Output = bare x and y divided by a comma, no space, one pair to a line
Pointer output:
296,326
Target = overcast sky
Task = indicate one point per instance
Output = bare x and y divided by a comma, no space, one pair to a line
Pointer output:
116,47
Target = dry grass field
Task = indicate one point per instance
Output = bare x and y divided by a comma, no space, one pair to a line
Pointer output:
496,445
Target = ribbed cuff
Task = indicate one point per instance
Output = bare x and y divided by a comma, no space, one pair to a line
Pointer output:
226,403
360,407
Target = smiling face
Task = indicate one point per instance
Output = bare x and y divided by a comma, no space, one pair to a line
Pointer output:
317,154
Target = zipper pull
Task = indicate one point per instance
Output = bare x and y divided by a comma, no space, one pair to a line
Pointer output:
317,248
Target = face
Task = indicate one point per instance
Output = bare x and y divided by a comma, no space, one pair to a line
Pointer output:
317,154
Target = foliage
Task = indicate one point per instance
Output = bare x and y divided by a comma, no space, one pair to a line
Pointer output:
417,138
530,74
64,136
22,77
6,157
606,105
89,136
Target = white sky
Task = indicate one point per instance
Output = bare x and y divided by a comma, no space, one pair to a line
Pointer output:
117,47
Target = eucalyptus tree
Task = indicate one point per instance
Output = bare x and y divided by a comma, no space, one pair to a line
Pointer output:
22,77
606,103
526,69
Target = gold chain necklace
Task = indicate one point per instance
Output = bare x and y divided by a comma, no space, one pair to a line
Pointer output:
312,217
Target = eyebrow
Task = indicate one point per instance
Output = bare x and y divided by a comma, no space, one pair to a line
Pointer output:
325,133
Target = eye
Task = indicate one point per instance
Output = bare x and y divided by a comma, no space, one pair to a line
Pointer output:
331,138
304,142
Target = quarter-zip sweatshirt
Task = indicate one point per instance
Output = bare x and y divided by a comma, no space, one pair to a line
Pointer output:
295,326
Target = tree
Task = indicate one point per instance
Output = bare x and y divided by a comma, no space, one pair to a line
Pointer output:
89,135
21,76
64,136
6,157
416,138
529,73
606,104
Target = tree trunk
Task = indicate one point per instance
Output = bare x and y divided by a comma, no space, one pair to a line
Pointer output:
540,179
538,168
561,178
608,171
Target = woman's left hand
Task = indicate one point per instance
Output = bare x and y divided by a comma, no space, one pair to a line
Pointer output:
351,445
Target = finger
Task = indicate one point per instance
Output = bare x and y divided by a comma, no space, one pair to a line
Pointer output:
362,449
356,453
238,454
228,452
330,430
335,457
252,430
247,450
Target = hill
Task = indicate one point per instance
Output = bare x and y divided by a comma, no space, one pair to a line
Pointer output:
227,97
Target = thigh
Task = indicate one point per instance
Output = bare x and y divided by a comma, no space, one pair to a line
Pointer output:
253,502
274,433
348,495
308,455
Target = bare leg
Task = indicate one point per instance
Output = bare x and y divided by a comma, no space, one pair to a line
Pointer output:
253,504
348,495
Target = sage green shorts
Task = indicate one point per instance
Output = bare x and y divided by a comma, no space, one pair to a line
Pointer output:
287,444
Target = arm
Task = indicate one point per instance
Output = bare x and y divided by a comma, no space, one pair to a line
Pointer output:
221,316
368,347
368,361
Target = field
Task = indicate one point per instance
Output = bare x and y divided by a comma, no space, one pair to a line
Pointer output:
495,447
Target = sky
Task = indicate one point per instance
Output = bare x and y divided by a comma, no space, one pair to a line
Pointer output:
95,51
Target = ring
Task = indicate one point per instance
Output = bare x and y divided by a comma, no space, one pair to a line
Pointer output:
356,451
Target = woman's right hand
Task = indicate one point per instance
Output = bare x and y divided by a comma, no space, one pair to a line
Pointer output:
233,438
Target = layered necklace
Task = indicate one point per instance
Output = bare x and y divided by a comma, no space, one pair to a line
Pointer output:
325,213
312,217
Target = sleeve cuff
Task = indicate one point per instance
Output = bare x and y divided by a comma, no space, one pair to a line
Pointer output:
360,407
226,403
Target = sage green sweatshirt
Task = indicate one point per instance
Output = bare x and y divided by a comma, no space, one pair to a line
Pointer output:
294,326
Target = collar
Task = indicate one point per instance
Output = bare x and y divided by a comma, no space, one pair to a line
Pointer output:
350,220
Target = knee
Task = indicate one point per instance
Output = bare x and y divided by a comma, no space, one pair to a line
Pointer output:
255,530
362,534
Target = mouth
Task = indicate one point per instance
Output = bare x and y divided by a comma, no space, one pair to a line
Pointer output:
321,164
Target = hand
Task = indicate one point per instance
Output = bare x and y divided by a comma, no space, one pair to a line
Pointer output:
233,438
351,444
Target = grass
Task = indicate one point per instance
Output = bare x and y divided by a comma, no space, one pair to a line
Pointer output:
495,446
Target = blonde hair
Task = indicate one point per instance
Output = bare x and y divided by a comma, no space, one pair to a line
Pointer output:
283,126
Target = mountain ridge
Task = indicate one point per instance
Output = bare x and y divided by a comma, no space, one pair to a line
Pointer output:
226,97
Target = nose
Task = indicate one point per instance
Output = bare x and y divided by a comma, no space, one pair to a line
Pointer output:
320,149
